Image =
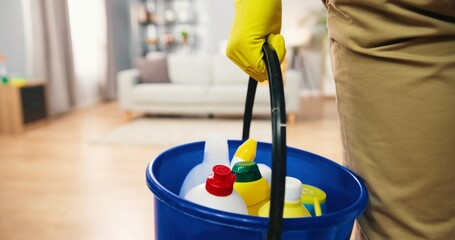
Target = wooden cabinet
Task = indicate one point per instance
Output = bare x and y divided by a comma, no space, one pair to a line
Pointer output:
22,107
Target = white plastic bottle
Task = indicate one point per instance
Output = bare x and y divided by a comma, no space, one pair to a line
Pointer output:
247,152
218,192
216,152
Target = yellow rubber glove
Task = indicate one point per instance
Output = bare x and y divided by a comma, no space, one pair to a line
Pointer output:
255,22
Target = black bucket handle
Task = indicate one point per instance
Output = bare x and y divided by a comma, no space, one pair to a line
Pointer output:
278,112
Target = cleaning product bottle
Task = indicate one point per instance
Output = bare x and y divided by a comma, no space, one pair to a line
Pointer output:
247,152
218,192
293,207
313,199
216,152
3,71
250,184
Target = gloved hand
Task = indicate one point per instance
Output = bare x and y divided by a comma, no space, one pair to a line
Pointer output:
255,22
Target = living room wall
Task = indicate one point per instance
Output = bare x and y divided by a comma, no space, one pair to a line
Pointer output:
214,22
12,36
215,18
119,10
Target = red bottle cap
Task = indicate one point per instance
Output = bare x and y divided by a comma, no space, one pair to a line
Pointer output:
221,182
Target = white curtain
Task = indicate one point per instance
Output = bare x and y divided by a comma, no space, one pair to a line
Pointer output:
49,50
109,85
67,47
89,37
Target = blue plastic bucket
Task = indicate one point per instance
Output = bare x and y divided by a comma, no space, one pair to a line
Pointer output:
177,218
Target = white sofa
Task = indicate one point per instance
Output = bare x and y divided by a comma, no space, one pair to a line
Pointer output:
201,84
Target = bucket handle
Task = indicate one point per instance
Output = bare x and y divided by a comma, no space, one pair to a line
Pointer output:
278,112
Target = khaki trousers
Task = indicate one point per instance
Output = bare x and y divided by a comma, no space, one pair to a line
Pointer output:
394,68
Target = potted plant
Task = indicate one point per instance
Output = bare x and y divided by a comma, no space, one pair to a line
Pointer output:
184,35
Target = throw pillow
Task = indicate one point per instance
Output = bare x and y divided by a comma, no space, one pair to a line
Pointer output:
153,70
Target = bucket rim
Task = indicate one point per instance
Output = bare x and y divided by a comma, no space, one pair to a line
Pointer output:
252,222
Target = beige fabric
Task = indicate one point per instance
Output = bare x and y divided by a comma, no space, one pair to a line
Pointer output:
394,67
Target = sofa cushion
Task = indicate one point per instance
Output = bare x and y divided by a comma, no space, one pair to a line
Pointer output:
189,69
224,71
152,70
169,93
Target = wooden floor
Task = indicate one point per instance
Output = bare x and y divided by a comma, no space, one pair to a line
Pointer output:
56,184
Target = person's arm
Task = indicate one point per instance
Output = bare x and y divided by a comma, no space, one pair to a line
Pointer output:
255,22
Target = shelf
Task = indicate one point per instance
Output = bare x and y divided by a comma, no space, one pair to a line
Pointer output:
162,21
148,23
22,108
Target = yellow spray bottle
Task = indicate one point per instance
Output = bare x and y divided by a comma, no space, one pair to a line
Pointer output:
247,152
251,186
293,207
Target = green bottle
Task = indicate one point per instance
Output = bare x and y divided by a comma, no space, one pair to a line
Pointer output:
5,79
3,72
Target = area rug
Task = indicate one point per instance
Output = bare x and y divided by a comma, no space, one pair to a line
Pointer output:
159,132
